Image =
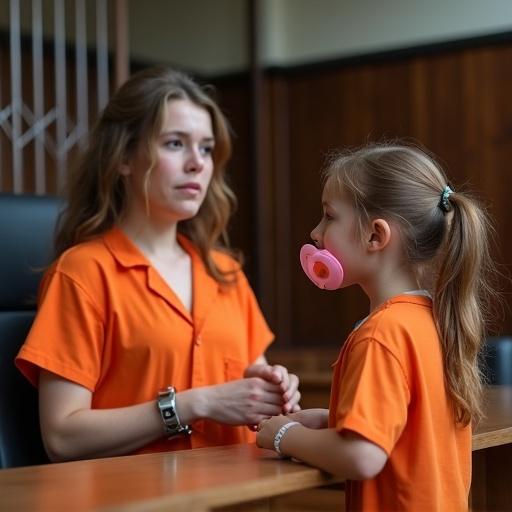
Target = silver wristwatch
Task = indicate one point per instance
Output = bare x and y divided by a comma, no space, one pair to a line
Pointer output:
166,402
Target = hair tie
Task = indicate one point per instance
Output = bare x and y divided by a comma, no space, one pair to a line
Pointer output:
444,203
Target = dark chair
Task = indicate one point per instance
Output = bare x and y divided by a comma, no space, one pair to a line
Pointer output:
27,226
498,360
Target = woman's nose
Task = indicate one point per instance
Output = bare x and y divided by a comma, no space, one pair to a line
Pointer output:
195,161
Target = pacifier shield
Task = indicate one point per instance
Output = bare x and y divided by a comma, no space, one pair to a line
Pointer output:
321,267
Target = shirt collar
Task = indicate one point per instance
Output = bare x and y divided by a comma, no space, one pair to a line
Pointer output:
129,255
420,297
123,249
205,288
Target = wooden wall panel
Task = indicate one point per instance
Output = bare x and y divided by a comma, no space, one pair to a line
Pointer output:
455,103
233,96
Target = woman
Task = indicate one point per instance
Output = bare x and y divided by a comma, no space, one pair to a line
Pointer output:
147,329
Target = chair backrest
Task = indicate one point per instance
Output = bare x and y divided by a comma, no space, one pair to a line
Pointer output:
27,225
498,360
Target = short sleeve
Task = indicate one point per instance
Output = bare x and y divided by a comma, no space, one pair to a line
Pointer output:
374,395
259,335
67,335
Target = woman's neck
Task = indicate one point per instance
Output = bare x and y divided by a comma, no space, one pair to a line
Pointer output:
153,237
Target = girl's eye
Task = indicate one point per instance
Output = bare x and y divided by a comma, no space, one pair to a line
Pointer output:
327,216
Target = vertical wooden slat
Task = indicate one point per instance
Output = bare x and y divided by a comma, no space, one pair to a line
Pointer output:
60,90
121,56
262,192
102,52
279,130
15,43
38,94
82,90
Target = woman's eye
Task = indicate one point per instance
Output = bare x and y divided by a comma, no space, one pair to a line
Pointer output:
327,216
173,144
206,150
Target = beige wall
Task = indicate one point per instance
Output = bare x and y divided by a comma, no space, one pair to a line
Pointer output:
309,30
207,36
210,36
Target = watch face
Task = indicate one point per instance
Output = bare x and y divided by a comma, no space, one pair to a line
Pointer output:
168,413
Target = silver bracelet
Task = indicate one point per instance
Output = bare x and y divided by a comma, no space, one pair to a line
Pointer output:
280,434
166,402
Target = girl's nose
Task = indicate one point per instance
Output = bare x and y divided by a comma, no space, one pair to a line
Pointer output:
315,236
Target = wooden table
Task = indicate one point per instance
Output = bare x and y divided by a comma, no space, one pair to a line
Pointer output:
229,478
191,480
491,487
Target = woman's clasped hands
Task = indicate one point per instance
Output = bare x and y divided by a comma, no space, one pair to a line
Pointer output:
265,391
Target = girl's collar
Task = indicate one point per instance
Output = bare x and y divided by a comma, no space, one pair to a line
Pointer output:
422,293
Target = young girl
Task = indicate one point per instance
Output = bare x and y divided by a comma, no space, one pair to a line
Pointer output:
406,386
148,336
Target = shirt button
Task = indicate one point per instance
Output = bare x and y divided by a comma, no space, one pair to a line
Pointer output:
198,340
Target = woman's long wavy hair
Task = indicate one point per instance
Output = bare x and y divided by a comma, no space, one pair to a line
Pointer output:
450,251
97,193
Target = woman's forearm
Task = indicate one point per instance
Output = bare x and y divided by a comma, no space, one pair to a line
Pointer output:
76,431
72,429
90,433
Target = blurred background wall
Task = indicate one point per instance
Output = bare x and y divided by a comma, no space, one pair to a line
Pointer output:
296,79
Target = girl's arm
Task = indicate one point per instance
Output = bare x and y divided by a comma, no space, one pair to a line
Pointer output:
347,455
72,430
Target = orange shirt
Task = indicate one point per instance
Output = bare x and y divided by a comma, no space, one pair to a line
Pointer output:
110,323
388,387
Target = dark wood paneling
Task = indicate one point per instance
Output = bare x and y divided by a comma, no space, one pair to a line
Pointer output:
455,103
233,97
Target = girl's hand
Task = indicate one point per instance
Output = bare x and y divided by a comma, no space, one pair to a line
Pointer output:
267,430
311,418
288,383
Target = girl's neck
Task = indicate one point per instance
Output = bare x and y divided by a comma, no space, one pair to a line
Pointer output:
387,287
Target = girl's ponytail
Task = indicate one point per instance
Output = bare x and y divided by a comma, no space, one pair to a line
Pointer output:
462,294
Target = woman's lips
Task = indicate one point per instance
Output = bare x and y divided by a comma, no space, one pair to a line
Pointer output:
191,188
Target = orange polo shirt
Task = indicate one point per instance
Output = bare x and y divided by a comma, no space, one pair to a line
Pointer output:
388,387
109,322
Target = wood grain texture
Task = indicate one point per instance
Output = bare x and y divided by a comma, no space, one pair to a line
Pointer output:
496,427
184,480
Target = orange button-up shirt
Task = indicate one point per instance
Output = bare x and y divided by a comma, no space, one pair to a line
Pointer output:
109,322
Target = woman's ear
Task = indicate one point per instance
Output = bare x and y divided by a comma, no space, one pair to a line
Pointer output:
124,169
380,235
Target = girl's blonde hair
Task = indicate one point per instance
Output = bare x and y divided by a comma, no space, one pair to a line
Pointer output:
97,193
449,247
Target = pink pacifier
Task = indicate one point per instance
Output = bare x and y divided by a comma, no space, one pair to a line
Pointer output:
321,267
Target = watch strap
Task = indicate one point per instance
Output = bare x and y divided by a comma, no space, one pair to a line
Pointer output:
166,402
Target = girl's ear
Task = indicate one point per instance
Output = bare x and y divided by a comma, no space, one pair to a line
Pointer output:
380,235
